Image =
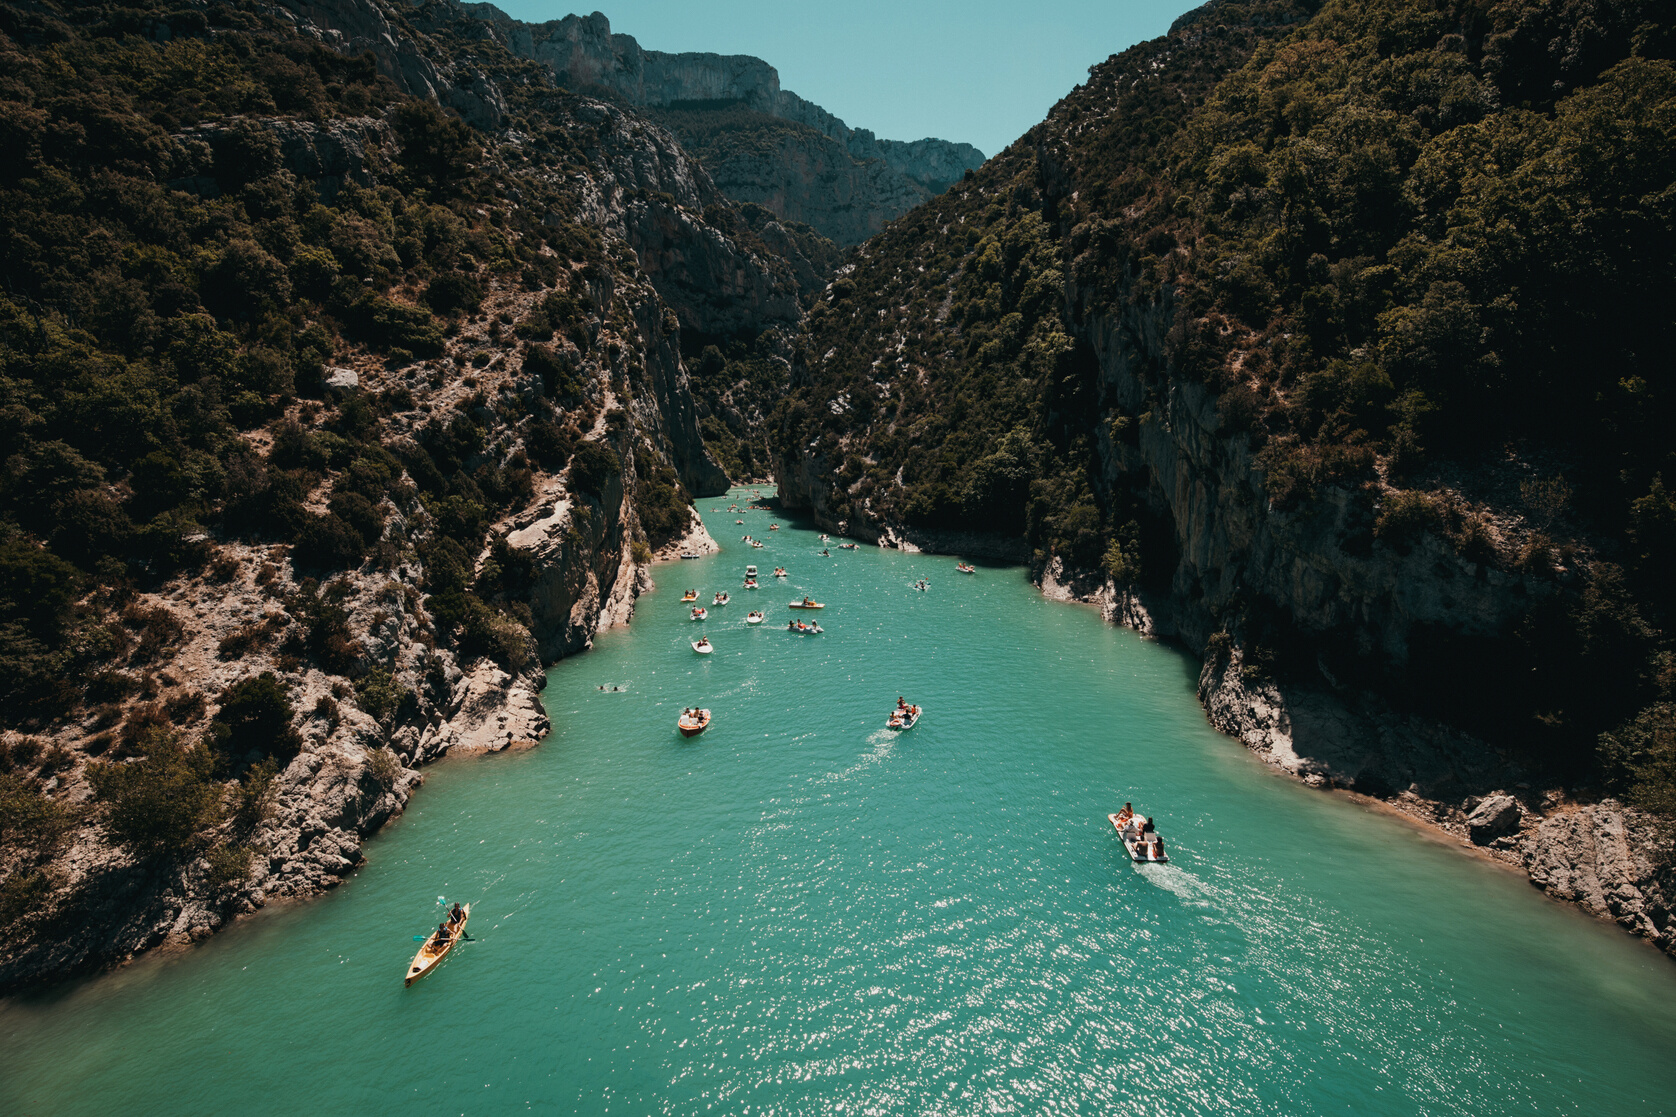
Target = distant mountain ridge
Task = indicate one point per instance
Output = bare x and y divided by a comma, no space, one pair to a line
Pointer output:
802,179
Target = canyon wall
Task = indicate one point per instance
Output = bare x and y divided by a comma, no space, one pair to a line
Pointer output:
843,181
394,687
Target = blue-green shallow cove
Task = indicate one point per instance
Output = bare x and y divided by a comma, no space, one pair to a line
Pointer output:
799,912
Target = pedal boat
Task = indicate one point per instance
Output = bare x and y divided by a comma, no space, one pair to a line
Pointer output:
693,726
806,603
703,646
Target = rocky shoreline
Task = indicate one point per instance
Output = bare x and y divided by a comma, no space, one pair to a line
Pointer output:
1608,859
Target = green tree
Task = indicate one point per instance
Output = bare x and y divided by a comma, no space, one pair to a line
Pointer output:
163,804
255,717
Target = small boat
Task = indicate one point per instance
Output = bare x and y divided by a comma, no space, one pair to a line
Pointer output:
824,538
693,722
922,584
753,618
964,569
738,521
688,555
750,585
848,546
904,717
806,603
702,645
721,599
690,595
751,571
779,572
699,612
1139,850
433,952
754,543
773,527
803,629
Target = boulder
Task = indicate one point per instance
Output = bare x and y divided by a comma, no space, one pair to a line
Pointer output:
1494,817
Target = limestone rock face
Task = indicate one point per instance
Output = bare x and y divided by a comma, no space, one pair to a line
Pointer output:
652,194
355,27
843,181
1597,857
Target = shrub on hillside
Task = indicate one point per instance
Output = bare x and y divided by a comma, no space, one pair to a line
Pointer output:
592,468
255,718
162,804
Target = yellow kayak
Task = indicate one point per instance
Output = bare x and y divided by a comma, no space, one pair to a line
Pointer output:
433,952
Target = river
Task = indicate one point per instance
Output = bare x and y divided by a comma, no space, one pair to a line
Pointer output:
800,912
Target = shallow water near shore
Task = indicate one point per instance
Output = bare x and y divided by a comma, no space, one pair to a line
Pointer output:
801,912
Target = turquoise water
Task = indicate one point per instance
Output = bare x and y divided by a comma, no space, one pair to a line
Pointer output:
799,912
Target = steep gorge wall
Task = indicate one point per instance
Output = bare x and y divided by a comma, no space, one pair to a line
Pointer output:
663,268
844,181
1242,577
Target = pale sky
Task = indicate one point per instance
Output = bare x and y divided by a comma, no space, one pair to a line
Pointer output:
979,71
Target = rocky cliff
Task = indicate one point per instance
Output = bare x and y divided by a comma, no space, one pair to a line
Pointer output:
502,433
1025,361
843,181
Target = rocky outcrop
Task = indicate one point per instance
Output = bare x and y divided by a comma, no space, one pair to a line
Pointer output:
809,177
1597,857
654,197
1611,861
326,154
355,27
843,181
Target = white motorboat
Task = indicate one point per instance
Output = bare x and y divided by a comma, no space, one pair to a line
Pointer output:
904,717
1144,846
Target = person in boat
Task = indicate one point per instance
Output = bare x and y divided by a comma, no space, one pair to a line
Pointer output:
1158,847
455,915
1125,814
444,934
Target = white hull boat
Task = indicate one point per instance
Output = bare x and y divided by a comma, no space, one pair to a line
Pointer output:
1138,850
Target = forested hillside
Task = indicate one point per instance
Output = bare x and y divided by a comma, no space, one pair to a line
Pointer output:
1291,315
325,417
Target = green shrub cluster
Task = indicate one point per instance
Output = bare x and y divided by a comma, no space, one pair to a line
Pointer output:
162,804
